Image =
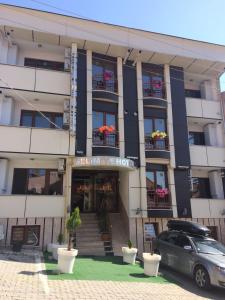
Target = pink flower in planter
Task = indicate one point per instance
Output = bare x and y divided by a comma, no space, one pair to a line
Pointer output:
162,192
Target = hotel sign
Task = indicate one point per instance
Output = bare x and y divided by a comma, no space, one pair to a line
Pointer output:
104,162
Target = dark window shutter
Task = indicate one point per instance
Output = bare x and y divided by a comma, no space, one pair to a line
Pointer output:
19,181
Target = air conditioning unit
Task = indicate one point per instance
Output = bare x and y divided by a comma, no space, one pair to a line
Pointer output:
66,105
61,165
66,118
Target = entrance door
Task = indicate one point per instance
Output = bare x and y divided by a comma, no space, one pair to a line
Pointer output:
82,194
95,191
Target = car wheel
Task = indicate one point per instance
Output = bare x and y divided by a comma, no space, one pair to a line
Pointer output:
201,277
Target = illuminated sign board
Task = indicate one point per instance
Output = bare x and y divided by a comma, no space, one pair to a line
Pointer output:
102,161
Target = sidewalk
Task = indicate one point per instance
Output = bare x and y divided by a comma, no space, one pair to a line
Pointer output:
21,278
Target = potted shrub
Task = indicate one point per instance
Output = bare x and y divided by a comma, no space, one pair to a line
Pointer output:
54,247
151,262
129,253
66,256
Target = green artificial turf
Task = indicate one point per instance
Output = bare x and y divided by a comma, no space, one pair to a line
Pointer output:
107,268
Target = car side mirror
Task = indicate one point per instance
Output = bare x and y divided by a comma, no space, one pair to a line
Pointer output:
188,248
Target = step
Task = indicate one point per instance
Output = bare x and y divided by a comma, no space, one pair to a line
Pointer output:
90,244
87,226
91,238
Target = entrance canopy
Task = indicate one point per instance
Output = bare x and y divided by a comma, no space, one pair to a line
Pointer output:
103,162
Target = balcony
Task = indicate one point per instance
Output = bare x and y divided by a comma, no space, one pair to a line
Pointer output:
154,96
32,79
201,108
207,208
30,206
34,140
209,156
157,148
159,203
104,89
106,143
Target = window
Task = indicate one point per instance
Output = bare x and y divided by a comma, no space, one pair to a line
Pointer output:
182,241
151,125
37,182
104,75
31,118
156,180
200,188
27,235
107,137
196,138
192,93
44,64
152,81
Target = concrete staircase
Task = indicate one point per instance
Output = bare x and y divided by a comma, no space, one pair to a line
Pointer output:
88,238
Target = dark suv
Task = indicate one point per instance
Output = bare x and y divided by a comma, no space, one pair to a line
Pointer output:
195,255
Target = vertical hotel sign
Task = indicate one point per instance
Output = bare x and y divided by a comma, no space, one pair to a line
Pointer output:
73,87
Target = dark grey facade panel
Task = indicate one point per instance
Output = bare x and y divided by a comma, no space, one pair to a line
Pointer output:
160,213
131,129
104,106
105,151
182,153
157,154
81,127
104,95
155,113
154,102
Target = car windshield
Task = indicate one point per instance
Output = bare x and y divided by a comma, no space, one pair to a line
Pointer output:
208,246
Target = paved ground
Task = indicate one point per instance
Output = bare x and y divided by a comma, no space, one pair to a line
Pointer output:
22,277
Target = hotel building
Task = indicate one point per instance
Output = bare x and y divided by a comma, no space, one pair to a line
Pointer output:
111,119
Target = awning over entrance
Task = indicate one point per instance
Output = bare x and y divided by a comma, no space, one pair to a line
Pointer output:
103,162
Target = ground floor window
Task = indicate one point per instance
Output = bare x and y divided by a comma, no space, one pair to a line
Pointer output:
27,235
200,188
37,182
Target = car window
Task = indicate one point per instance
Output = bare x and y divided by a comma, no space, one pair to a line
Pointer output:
172,237
208,246
182,241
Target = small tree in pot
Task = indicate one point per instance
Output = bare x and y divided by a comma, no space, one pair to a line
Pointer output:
129,253
66,256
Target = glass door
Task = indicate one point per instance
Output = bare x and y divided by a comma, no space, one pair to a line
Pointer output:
82,194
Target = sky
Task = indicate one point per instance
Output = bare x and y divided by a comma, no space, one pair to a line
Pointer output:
195,19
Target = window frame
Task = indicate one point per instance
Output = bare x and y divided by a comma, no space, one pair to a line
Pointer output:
104,118
155,177
59,65
47,182
25,234
153,71
198,138
103,63
153,123
34,113
203,193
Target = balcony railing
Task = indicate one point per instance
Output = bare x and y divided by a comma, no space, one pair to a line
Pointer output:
151,91
158,199
102,84
105,139
156,144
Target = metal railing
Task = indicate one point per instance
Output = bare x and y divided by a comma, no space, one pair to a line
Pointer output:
149,90
156,144
158,200
109,139
99,83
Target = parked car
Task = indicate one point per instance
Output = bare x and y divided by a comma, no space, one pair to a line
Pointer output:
195,255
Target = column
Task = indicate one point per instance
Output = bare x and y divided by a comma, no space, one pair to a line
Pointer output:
3,175
6,110
89,103
120,105
170,133
216,185
67,190
142,172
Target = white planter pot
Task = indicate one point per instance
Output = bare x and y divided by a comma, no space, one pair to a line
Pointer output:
151,264
49,247
66,260
55,248
129,255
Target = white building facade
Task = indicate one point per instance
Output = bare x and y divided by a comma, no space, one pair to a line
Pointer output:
79,103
